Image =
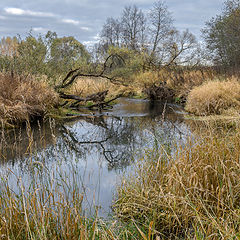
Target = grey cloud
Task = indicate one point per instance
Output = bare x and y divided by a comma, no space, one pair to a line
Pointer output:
84,18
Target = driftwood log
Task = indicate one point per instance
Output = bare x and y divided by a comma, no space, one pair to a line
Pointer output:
98,99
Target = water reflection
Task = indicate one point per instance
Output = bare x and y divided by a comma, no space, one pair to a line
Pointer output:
95,148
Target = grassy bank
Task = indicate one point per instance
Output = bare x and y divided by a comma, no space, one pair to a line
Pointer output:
191,194
218,97
180,81
23,98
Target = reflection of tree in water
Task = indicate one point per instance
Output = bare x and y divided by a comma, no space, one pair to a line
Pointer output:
118,139
19,143
114,139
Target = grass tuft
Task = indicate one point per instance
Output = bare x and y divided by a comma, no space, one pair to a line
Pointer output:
24,97
195,192
214,97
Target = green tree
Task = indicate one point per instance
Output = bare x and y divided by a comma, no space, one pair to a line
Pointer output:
222,36
67,53
31,55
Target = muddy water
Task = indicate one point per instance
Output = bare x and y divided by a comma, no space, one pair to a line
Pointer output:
95,150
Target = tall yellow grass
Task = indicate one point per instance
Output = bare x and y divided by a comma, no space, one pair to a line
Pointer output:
193,195
88,86
22,98
214,97
181,81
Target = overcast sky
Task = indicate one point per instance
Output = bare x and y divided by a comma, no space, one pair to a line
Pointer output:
83,19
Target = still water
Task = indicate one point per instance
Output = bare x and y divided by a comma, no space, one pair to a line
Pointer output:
95,150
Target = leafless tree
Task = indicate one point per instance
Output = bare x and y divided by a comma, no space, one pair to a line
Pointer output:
183,48
154,36
133,27
161,25
111,32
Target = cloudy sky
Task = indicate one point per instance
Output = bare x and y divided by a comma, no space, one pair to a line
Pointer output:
83,19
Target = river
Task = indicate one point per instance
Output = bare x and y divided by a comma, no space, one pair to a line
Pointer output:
95,150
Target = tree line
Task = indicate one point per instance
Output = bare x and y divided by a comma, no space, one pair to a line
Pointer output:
49,55
150,34
142,40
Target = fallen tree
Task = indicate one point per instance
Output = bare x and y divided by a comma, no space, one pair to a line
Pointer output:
99,98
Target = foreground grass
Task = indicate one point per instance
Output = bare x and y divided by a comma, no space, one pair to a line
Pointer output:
50,207
191,194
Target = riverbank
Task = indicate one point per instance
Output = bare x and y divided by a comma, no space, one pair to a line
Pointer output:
182,191
24,98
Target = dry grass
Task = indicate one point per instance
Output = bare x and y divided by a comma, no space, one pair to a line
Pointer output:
48,209
147,79
194,195
214,97
181,81
87,86
23,98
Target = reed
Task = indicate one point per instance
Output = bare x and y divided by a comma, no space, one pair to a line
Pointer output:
46,205
22,98
191,194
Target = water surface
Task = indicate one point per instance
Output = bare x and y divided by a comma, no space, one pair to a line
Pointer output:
95,150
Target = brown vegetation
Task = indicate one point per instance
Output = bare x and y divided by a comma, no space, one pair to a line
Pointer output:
214,97
195,194
170,84
24,97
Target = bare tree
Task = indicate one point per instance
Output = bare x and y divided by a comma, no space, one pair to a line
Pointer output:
161,25
133,27
111,32
8,46
182,48
155,37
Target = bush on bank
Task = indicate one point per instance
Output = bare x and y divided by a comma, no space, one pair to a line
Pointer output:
214,97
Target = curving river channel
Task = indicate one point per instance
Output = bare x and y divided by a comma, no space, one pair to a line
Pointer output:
94,150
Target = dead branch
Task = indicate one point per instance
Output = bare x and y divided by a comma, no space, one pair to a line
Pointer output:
74,73
98,98
103,103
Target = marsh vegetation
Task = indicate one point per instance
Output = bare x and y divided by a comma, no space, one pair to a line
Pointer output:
136,137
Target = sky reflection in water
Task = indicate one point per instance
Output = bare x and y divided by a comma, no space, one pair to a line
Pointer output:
95,151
